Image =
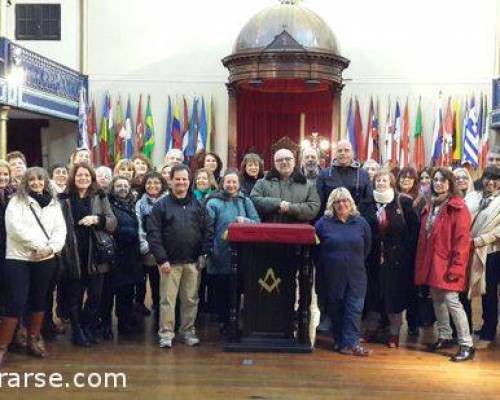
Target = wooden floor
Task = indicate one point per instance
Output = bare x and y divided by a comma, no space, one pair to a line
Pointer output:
207,373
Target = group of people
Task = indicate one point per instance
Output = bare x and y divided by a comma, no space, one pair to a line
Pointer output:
89,240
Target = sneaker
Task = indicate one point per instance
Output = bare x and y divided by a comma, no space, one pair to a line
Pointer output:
165,342
191,339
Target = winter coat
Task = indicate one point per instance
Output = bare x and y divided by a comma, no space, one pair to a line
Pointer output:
270,191
392,260
223,210
247,184
202,196
128,266
341,255
5,195
100,206
143,209
24,234
352,177
446,248
485,233
179,230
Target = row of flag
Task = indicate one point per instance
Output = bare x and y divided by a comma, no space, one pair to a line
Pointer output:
118,137
460,133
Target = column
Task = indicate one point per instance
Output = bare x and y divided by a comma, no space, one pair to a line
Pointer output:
4,117
232,133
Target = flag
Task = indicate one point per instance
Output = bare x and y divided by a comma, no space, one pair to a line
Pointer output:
139,128
176,127
83,133
358,132
103,133
202,141
92,129
471,136
190,139
389,132
350,134
372,134
211,125
448,135
149,137
404,155
111,132
185,121
437,138
485,133
120,131
418,134
397,134
168,132
458,142
128,148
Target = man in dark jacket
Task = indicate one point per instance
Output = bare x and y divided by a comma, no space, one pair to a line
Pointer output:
284,195
179,233
346,172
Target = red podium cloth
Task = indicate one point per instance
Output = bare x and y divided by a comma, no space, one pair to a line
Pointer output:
271,233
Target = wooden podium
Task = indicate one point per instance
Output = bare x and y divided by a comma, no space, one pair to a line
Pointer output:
267,262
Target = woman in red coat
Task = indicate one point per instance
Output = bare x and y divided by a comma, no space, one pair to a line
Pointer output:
442,258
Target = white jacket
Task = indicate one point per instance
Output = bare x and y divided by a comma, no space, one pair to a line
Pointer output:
24,235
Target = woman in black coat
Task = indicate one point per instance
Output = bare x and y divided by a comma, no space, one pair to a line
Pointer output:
392,267
127,270
6,191
88,214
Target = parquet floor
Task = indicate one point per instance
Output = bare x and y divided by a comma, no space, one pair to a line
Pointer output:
208,373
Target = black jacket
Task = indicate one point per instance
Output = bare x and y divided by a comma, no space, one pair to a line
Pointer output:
390,282
353,178
128,266
179,230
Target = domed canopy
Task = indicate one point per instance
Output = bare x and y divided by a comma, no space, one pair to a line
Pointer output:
306,27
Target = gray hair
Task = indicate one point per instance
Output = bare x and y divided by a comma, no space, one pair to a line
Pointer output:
23,189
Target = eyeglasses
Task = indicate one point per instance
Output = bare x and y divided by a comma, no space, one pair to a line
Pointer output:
462,178
439,180
341,201
283,159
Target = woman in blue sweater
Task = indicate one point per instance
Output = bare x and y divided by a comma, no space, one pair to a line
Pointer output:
229,205
345,241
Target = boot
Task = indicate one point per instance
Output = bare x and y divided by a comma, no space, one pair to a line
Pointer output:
464,353
36,345
78,338
20,342
91,335
7,329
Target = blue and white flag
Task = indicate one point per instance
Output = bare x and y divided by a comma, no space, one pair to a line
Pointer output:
128,143
190,139
83,134
471,137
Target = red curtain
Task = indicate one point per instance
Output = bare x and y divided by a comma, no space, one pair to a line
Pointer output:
263,118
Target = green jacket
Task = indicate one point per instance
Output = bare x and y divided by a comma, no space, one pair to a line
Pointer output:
271,190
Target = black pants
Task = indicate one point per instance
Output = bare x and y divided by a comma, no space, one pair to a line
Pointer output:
123,299
93,284
154,283
221,286
490,298
26,285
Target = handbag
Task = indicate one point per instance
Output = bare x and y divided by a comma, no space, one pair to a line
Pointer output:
57,256
105,249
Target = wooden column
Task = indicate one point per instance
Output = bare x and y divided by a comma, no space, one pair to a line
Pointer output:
335,135
4,117
232,131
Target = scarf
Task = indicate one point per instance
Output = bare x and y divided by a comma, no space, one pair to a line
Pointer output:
437,203
43,199
486,199
384,197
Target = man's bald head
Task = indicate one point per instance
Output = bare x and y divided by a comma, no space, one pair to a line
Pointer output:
284,162
344,152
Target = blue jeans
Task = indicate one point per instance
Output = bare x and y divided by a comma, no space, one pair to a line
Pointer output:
346,319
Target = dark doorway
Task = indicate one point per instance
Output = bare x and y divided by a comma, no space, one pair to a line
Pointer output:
25,135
